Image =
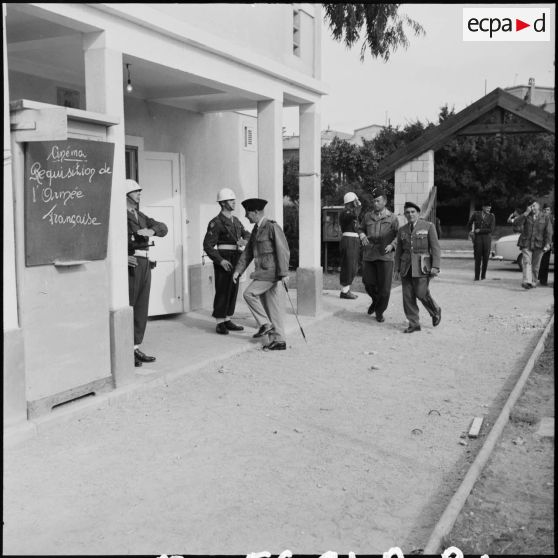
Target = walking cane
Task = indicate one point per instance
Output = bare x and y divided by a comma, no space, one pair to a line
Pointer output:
294,311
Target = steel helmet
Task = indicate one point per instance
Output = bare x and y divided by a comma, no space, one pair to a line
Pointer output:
131,186
225,194
349,197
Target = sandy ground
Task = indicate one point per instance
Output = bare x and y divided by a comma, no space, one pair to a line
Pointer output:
511,508
347,443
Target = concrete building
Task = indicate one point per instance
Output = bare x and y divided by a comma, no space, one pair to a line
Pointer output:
187,99
542,97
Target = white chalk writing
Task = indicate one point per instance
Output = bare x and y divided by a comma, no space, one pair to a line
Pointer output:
38,173
69,154
75,219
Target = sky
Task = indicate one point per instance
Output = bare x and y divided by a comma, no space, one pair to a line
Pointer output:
437,68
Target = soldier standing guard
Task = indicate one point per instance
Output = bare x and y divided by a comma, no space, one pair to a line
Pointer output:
224,241
140,228
483,223
417,260
269,249
349,247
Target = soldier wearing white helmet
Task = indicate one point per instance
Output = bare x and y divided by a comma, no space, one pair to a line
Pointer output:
349,247
140,229
223,243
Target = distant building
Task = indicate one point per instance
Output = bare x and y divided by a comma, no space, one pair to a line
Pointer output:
291,143
542,97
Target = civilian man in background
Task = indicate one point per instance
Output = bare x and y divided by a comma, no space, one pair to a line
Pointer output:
417,260
483,224
140,229
535,228
545,260
349,247
224,241
269,249
378,235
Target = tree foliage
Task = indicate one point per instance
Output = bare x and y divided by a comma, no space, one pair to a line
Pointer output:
381,26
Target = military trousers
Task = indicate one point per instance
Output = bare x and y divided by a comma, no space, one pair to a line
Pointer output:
349,252
377,276
226,290
267,304
543,269
414,288
481,251
139,286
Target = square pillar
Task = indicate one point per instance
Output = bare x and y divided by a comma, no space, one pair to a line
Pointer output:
104,93
309,276
270,157
15,403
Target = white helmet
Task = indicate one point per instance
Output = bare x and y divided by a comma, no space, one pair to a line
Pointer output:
349,197
225,194
131,186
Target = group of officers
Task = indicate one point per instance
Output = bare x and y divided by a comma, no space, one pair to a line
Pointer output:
411,253
231,248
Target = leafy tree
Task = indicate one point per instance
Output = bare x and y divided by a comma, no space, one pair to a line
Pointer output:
384,27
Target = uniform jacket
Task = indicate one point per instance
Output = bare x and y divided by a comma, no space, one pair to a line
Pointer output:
380,232
536,232
222,230
140,242
486,223
348,220
269,249
410,246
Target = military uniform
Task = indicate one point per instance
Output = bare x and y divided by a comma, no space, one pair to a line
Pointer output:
269,249
485,222
349,247
411,245
139,277
221,243
377,266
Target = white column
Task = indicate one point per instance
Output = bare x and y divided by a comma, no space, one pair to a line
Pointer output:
104,93
270,157
309,273
15,404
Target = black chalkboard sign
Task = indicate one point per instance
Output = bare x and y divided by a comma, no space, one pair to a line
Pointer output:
67,200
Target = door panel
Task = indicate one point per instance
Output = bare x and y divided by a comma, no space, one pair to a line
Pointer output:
159,176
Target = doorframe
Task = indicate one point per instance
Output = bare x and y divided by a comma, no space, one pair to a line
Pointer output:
184,233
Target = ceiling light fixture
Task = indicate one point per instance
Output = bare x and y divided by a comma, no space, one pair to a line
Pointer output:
129,87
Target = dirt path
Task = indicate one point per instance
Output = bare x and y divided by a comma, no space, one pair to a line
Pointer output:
308,449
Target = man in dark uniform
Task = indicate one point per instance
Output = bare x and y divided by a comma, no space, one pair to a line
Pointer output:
482,224
223,243
264,295
349,247
417,260
378,234
140,229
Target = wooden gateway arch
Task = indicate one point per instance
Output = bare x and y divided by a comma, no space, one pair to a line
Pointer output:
498,112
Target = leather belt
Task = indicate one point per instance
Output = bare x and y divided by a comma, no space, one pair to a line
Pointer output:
228,247
350,234
141,253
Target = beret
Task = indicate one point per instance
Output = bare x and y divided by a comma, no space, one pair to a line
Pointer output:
411,204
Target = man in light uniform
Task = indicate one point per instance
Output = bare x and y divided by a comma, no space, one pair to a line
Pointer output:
269,249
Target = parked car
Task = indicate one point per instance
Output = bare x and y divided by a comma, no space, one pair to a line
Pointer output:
506,249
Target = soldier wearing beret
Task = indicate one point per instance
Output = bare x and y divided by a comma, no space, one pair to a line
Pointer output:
268,248
482,224
140,229
417,259
224,241
378,235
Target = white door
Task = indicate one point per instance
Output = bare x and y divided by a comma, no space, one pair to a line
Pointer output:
159,176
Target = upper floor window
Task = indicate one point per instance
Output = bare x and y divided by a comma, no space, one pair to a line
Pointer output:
296,31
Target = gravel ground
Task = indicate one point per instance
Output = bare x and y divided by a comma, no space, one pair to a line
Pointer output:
348,443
